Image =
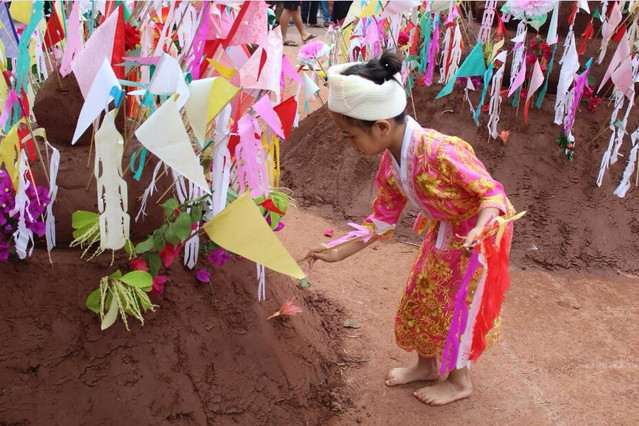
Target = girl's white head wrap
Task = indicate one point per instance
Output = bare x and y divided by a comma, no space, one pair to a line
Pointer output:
361,98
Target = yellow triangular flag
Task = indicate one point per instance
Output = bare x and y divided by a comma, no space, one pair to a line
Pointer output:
221,94
21,11
226,72
10,154
241,229
369,9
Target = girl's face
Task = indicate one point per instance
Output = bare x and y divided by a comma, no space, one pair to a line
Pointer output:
370,141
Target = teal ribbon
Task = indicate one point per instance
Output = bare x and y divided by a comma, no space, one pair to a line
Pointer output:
425,26
487,76
23,64
138,171
542,93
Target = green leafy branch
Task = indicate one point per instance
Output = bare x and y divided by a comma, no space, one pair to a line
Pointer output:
124,294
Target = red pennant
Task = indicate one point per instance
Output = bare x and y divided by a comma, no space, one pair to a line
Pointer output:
270,206
262,62
573,13
526,106
55,31
236,24
619,34
26,142
501,29
118,45
587,35
286,112
233,141
210,47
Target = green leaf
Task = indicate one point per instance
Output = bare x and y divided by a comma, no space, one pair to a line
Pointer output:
145,245
116,275
169,206
155,262
275,219
304,282
170,235
140,279
231,196
182,226
158,240
129,248
111,315
196,213
83,230
81,219
145,302
93,301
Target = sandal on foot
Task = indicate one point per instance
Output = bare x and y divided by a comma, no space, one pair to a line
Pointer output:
310,37
289,43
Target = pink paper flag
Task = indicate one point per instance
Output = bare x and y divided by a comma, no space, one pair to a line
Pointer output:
521,76
536,80
622,52
265,110
252,28
289,70
269,77
99,47
74,39
622,77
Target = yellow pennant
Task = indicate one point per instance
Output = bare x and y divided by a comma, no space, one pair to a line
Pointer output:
226,72
240,228
10,154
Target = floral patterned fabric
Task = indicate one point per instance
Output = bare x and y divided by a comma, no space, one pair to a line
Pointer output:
441,175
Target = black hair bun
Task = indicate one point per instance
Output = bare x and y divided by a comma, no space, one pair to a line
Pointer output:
391,62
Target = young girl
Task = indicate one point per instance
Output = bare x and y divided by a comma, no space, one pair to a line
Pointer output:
455,194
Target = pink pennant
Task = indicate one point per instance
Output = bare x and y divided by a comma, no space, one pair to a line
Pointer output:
622,77
289,70
536,80
12,99
622,52
74,39
269,77
253,26
265,110
199,41
519,80
99,47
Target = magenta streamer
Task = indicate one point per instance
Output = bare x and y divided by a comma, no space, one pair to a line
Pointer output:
460,318
12,99
433,51
580,84
199,42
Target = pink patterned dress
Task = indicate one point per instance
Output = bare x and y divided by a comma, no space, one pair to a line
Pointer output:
443,178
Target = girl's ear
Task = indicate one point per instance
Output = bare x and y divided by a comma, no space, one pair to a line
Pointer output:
383,126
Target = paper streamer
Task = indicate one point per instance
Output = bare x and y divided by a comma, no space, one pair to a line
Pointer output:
465,343
112,189
221,172
495,98
261,282
624,185
149,191
569,66
251,165
22,237
54,165
487,21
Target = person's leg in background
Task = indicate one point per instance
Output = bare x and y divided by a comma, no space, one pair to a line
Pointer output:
326,16
292,10
306,7
312,16
340,10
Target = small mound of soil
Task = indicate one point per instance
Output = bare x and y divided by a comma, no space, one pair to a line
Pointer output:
571,223
207,356
57,108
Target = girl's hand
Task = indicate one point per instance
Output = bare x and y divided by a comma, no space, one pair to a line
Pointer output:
471,238
322,252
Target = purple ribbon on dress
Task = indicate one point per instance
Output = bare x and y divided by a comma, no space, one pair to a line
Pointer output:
460,318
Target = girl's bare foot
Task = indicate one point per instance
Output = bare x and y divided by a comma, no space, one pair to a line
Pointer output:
456,386
424,370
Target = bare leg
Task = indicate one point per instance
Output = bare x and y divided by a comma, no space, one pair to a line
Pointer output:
285,18
456,386
424,369
297,19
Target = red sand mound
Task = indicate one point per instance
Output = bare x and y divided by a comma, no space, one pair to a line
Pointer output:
208,356
571,223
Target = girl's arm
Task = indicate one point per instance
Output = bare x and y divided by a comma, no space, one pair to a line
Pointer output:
339,252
